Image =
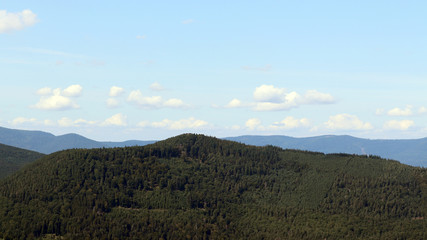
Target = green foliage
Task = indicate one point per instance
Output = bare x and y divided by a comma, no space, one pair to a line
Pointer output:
12,159
197,187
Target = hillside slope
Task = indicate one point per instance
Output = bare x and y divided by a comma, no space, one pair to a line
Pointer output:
412,151
12,159
192,186
47,143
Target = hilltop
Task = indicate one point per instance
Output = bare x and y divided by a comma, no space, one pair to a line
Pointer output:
193,186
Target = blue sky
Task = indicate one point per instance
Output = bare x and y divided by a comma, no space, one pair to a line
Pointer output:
151,70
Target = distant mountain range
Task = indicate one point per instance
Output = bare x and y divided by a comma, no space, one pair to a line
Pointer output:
47,143
412,151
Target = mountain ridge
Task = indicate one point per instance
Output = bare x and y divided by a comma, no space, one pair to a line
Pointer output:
408,151
47,143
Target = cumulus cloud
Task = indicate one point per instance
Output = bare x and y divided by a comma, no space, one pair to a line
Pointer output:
73,91
115,120
422,110
347,122
154,102
57,99
235,103
67,122
16,21
189,123
56,102
116,91
156,87
269,93
398,125
253,123
22,120
44,91
112,103
313,96
290,123
400,112
271,98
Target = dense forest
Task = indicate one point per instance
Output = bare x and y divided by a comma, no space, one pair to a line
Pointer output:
12,159
198,187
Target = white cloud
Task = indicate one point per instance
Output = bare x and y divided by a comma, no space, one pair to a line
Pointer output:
16,21
22,120
116,91
141,37
154,102
347,122
112,103
235,103
187,21
400,112
73,91
156,87
189,123
81,121
58,100
173,103
253,123
55,102
398,125
115,120
271,98
290,123
269,93
313,96
68,122
65,122
44,91
422,110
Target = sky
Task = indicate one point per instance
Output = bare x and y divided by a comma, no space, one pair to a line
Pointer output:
149,70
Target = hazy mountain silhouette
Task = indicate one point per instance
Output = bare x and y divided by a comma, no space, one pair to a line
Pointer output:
44,142
411,151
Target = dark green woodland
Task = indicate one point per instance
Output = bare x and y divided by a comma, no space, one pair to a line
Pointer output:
198,187
12,159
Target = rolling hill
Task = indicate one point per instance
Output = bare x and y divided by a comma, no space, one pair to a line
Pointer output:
412,152
47,143
198,187
12,159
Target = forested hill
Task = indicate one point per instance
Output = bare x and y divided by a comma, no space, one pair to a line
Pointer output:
12,159
198,187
